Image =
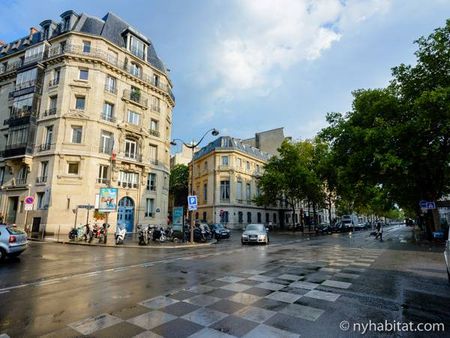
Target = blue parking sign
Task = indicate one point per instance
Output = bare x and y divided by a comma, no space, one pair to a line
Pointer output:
192,202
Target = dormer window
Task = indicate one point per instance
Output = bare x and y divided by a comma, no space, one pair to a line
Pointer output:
66,24
45,33
138,47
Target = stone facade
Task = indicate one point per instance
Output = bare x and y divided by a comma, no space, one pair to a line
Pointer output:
99,115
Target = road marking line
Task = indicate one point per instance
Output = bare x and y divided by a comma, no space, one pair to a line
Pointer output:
1,292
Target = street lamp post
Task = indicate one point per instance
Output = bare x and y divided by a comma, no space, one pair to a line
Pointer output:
192,146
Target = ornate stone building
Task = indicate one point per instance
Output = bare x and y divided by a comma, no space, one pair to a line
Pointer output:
85,103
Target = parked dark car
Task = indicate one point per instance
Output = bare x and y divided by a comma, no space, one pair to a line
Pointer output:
219,231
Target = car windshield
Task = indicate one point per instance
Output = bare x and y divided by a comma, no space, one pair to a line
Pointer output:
218,226
15,231
255,227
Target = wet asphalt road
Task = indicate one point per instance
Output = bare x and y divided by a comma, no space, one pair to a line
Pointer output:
53,285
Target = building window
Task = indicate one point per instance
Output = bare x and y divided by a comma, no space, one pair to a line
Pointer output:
84,74
133,118
249,217
205,166
73,168
248,165
258,216
86,46
22,176
156,80
153,154
130,149
267,217
135,69
248,192
205,192
26,79
108,111
128,180
224,190
56,76
137,47
224,160
44,172
155,104
204,216
52,105
154,125
40,200
149,207
257,169
80,102
239,163
240,217
2,175
111,84
151,182
77,132
274,218
48,137
106,142
103,174
239,190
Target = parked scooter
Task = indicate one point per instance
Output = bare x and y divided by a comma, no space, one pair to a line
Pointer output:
159,234
120,234
78,233
144,234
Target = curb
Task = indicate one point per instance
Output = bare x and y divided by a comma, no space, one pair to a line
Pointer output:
130,246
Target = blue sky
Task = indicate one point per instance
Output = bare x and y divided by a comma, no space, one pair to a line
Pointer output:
244,66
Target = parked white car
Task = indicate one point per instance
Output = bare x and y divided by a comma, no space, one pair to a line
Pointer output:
13,241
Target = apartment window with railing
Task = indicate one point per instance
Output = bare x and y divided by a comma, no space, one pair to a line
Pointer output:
52,105
86,47
156,80
112,57
26,79
151,182
43,172
56,77
128,179
22,175
18,137
154,127
205,192
108,111
153,154
135,69
80,102
48,138
40,200
239,163
77,133
156,105
34,53
133,117
224,190
103,174
149,207
131,149
106,142
22,104
111,84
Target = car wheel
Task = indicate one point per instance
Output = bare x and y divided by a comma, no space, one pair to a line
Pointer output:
2,254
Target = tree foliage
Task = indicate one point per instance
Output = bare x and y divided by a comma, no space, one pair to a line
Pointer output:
179,184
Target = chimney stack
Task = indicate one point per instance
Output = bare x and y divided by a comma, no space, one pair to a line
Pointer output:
33,30
2,43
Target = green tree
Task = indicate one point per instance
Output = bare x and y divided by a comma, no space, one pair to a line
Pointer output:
394,146
179,184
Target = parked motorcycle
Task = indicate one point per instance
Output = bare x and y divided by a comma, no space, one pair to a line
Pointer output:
159,234
78,233
120,234
144,234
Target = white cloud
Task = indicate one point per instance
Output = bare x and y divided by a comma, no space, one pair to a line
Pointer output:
271,35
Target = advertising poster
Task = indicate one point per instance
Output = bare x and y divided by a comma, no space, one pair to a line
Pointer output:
108,199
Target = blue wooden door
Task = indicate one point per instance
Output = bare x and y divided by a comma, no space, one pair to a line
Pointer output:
125,214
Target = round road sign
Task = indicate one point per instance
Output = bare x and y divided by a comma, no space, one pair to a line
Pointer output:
29,200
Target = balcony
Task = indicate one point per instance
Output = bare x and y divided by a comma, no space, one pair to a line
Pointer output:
49,112
154,132
112,60
21,181
135,97
41,179
132,157
153,161
10,67
110,89
103,181
155,108
107,117
127,185
44,147
20,149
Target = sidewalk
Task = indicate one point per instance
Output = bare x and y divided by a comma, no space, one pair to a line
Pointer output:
130,242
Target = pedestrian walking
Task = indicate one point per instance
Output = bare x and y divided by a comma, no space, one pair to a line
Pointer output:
379,231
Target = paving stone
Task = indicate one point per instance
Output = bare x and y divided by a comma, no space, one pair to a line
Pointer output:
130,312
328,296
210,333
336,284
301,311
234,326
286,323
151,319
147,334
226,306
284,282
182,295
236,287
260,278
244,298
180,308
216,283
230,279
205,316
303,285
270,286
254,272
290,277
329,270
93,324
255,314
270,304
158,302
296,291
269,331
201,289
258,291
284,297
221,293
123,329
249,282
346,275
179,328
202,300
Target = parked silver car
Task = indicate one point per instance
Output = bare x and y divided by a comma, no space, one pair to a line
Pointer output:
255,233
13,241
447,255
